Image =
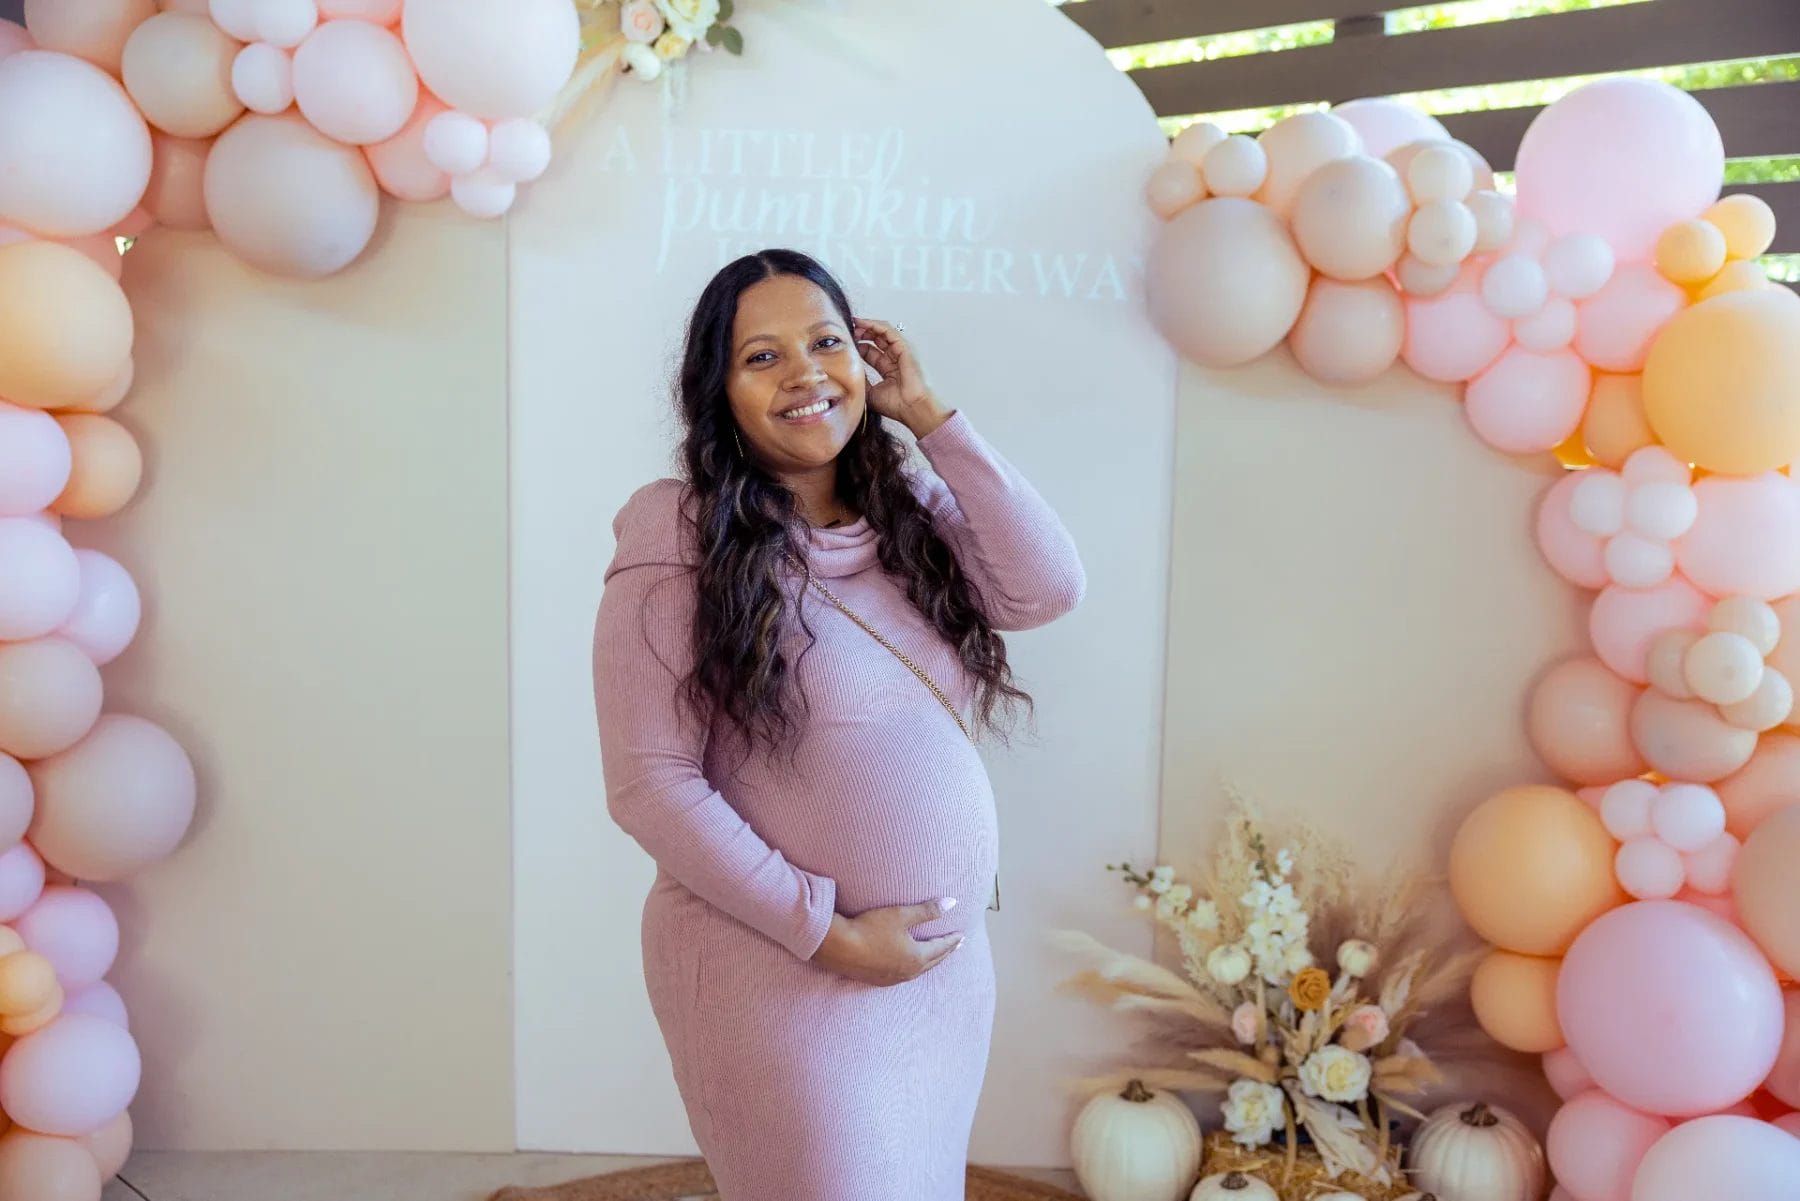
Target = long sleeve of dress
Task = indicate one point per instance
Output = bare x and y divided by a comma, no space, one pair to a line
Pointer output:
1007,539
652,747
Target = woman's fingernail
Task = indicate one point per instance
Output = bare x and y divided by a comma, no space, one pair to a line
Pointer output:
947,904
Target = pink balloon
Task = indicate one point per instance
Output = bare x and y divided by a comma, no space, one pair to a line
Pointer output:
1616,326
1595,1145
1746,540
1719,1157
50,695
1784,1079
493,58
1386,125
99,1000
287,199
1576,555
1528,402
21,881
76,931
116,802
1575,175
1723,906
354,82
41,580
1709,869
1670,976
34,460
1649,870
16,801
70,1078
74,152
1452,336
1688,740
107,612
400,164
1565,1073
1579,722
1625,621
13,39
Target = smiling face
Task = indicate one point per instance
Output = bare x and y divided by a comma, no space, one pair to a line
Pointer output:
796,382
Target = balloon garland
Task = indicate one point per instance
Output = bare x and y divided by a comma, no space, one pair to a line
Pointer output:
278,124
1645,914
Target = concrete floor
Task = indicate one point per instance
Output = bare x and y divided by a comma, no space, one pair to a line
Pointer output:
334,1176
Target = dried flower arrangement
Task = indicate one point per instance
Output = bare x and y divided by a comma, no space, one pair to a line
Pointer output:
1258,1017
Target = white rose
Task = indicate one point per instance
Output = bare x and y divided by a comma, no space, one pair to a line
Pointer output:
1162,879
1205,916
1357,958
1253,1112
1180,895
1228,964
690,18
1336,1074
643,61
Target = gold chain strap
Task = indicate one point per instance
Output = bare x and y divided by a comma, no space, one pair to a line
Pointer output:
872,632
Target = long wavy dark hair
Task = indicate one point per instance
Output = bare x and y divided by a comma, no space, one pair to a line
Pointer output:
748,524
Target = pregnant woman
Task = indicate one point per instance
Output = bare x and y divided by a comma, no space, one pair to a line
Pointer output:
795,652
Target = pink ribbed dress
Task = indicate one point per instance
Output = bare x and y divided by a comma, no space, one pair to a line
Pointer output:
801,1085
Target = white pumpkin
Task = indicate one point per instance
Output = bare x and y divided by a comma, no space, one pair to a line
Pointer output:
1136,1146
1233,1186
1477,1153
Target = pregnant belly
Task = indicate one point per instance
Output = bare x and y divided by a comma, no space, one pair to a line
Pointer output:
894,821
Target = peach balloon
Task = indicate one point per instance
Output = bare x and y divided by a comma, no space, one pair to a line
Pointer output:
1620,321
354,82
1235,167
1419,278
50,697
1349,333
400,164
65,325
178,69
1171,187
1349,218
110,397
1530,868
1688,740
175,197
1767,891
1514,998
1442,233
47,1169
1719,385
96,30
1747,223
1225,282
74,151
110,1145
27,983
1768,783
493,58
1625,621
289,200
1579,721
1297,146
1615,426
116,802
107,467
1192,143
1690,252
1735,277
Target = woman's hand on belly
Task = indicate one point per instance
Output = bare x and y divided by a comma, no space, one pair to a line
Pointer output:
878,947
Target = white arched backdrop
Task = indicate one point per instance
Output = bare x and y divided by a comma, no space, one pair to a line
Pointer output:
918,150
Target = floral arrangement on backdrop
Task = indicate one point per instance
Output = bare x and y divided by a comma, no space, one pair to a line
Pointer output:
1302,1003
651,35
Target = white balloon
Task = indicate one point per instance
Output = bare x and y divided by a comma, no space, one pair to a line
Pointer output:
1661,510
1597,505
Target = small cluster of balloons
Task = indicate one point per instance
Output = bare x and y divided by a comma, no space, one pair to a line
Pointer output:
278,124
1643,914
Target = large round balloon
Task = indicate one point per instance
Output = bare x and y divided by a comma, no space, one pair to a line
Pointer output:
1722,1157
1514,998
497,58
65,325
76,931
47,1169
1386,125
1530,868
1670,976
1349,218
1226,282
72,1077
1719,385
1595,1145
1349,333
1579,721
96,30
50,696
74,153
1768,890
1297,146
353,81
118,801
1688,739
178,69
40,580
288,199
1573,179
1746,539
1767,784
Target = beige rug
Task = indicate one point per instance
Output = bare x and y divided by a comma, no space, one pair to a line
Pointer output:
691,1181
